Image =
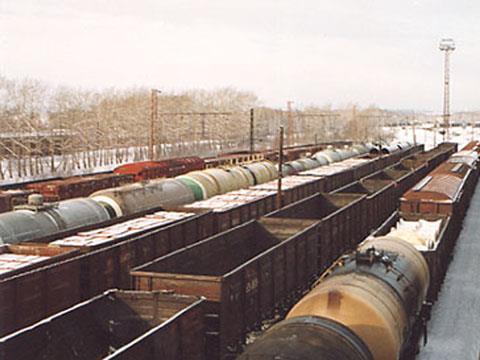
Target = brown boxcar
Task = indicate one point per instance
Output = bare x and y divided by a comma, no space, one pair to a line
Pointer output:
441,192
245,273
116,325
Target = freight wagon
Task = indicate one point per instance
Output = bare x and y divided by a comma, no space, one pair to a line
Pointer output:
98,270
77,186
146,170
381,200
108,266
233,159
338,218
109,255
362,290
434,236
245,274
39,220
360,309
116,325
11,198
441,192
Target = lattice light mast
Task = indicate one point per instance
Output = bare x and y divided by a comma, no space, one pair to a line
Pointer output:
446,45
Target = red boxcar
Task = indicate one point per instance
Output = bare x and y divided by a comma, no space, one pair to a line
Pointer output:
145,170
77,186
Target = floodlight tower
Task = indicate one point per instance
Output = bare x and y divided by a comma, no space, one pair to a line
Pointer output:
446,45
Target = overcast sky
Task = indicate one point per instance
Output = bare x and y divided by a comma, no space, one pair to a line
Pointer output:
382,52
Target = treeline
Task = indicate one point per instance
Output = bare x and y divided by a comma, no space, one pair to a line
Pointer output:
45,129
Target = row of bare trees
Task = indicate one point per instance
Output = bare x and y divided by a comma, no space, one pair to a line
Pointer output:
48,130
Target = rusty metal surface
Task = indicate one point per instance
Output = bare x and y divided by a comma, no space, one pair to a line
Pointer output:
116,325
438,187
243,271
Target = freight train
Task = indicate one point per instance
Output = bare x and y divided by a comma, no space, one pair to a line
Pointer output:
81,186
37,219
67,267
371,303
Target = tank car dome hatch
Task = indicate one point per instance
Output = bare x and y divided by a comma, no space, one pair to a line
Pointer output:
35,199
135,198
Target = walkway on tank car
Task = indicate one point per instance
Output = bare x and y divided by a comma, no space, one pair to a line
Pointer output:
454,328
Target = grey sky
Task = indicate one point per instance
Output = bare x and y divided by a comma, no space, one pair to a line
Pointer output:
314,51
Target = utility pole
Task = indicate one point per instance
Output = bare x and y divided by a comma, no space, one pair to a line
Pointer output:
252,129
153,119
280,165
290,123
446,45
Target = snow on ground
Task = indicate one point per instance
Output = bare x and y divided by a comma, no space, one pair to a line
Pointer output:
454,329
23,170
67,166
430,137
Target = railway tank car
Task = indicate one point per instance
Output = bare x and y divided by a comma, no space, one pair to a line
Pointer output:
38,220
365,307
138,197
